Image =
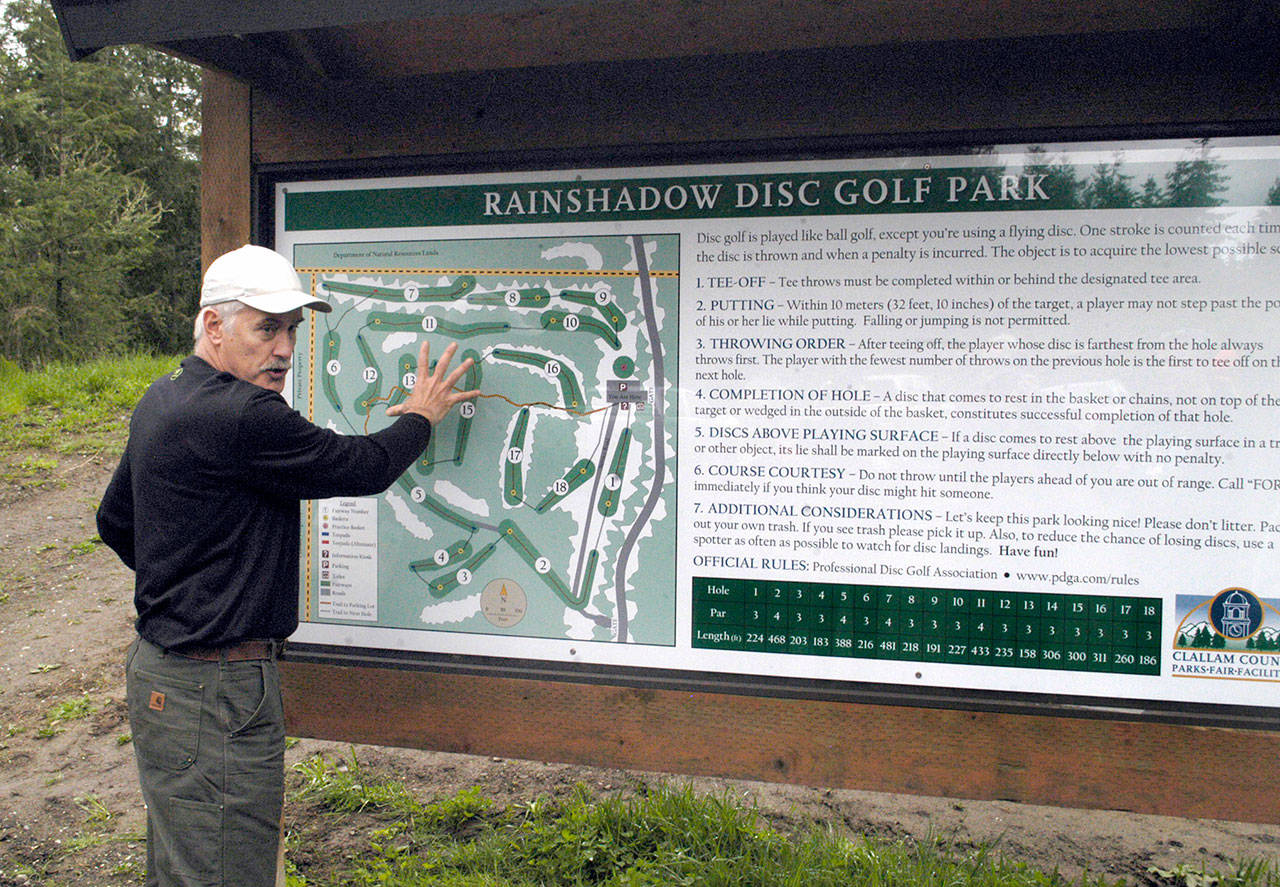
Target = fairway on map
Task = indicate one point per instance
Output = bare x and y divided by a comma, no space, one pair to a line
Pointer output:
543,509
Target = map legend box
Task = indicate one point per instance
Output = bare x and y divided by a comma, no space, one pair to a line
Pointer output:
348,547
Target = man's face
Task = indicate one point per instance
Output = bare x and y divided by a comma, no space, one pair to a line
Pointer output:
258,347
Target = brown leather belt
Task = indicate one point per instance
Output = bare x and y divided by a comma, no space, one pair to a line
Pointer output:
241,652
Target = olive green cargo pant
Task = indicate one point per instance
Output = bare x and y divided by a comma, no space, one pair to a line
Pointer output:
209,741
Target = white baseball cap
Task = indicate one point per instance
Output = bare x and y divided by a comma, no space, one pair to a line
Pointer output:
260,278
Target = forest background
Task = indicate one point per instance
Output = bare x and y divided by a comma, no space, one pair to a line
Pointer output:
99,196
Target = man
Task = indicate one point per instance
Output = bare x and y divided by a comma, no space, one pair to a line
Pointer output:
204,507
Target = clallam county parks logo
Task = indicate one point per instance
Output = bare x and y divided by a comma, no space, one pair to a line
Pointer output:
1233,634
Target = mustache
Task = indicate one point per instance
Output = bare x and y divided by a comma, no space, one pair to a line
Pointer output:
274,365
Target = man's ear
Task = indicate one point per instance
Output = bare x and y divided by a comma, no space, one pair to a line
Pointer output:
213,325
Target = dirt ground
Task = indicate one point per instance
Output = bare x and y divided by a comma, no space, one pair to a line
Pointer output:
71,813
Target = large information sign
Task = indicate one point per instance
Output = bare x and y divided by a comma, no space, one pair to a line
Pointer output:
1004,421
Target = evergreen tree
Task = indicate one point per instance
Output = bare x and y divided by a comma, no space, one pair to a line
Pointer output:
1197,181
1151,194
1060,182
164,287
1109,188
99,229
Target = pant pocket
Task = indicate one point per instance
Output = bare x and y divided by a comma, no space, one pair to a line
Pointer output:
254,716
165,714
193,842
243,693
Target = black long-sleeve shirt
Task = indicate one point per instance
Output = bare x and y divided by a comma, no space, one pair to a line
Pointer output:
204,504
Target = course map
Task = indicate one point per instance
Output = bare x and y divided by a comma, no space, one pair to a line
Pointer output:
545,508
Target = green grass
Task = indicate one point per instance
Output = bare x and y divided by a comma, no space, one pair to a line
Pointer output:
66,408
650,837
343,788
88,546
71,710
95,811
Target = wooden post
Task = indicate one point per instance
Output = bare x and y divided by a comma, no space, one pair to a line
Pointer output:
225,166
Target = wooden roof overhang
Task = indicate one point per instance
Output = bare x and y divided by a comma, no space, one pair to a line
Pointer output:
293,43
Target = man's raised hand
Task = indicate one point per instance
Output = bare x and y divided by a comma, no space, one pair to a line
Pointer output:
434,395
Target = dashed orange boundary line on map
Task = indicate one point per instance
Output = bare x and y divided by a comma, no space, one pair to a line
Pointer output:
537,403
526,272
